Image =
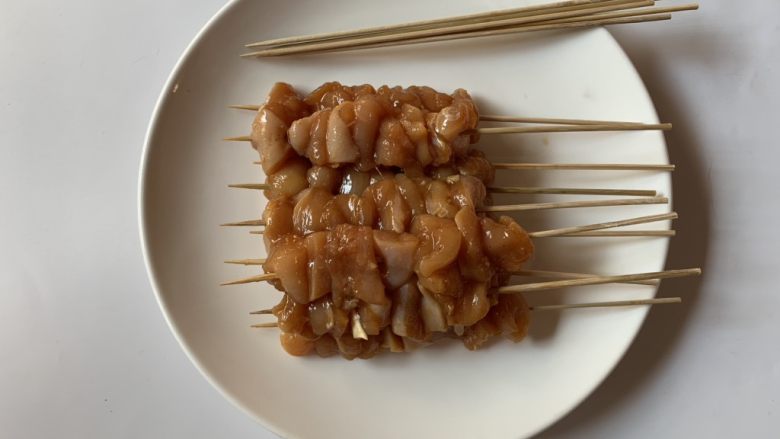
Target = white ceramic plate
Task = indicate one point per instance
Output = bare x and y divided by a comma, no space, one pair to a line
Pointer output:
504,391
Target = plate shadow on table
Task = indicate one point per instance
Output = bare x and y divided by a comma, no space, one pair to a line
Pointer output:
692,199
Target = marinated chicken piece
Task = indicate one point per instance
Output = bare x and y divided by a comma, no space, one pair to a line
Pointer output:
326,346
430,98
406,318
341,146
473,263
442,172
466,191
438,201
446,283
291,315
296,344
410,190
434,317
321,316
394,213
392,342
506,243
289,180
269,128
475,164
309,213
322,96
397,97
393,147
395,254
349,347
513,316
318,274
277,217
440,242
353,267
308,137
325,177
362,90
269,138
369,113
476,335
288,260
370,347
374,317
472,306
458,118
299,134
355,182
413,121
356,210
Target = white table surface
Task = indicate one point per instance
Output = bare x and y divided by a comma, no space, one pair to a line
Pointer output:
85,352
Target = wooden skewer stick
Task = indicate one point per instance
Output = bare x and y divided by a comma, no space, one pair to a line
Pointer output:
257,222
584,166
456,29
245,261
564,306
577,166
542,286
566,275
597,280
574,204
615,303
632,13
253,279
262,312
542,129
517,119
387,29
537,120
580,22
621,233
601,226
516,190
529,120
534,206
256,232
575,128
238,139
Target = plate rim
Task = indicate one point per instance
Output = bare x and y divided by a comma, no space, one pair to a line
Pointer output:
142,188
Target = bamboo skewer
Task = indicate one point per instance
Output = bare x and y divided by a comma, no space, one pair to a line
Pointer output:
574,204
253,279
616,303
601,226
560,307
516,190
620,233
518,119
483,16
582,231
532,206
257,222
541,286
542,129
584,166
597,234
454,29
568,275
597,280
575,128
245,261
